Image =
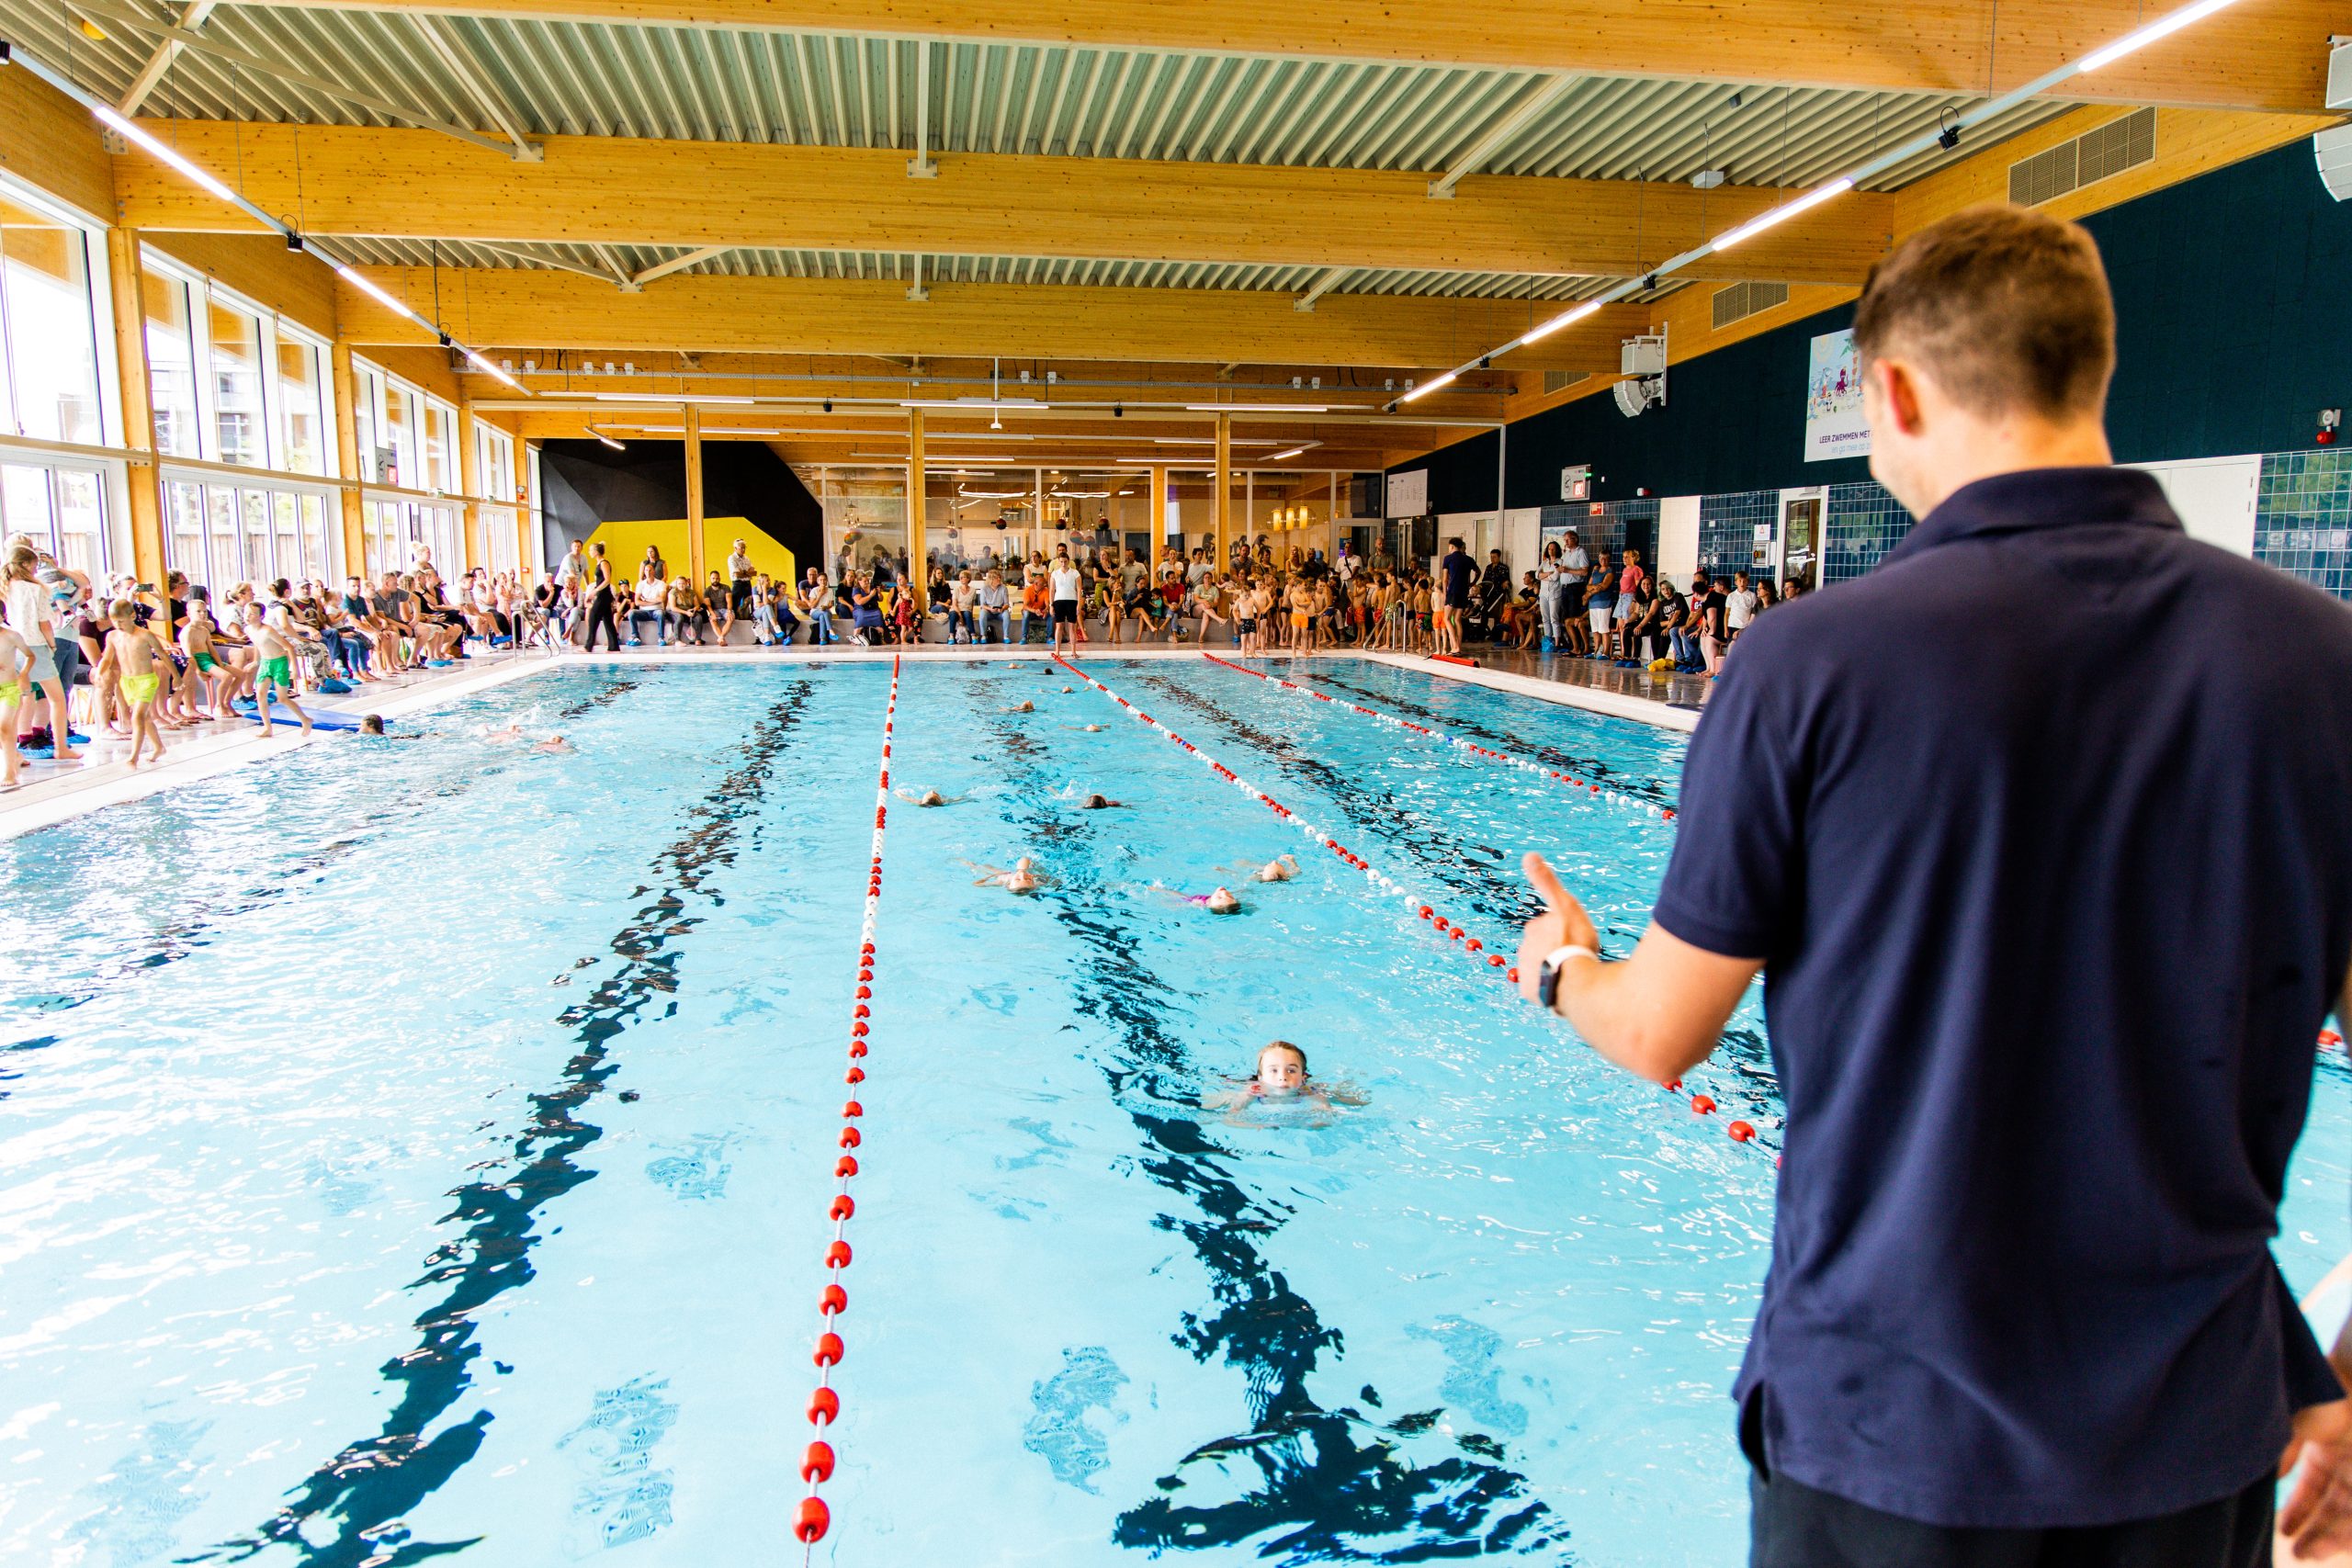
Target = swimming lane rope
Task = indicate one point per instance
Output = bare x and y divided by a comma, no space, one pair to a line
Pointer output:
1614,796
1491,961
825,1404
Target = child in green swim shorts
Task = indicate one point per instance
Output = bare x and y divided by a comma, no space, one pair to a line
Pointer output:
15,680
134,660
275,670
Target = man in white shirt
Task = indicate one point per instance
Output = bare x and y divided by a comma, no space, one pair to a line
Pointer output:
1063,581
1574,564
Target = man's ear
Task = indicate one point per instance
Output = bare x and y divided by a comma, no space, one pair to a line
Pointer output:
1896,384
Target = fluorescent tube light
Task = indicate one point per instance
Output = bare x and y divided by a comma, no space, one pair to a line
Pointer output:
2160,28
1565,319
610,442
1787,211
1294,452
1426,387
664,397
130,132
487,368
368,286
1257,408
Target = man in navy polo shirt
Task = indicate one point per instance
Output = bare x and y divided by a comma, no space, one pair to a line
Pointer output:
2041,836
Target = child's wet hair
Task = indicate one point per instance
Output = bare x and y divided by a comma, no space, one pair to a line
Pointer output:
1282,1045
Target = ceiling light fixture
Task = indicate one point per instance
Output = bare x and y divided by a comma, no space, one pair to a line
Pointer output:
1783,212
2161,27
1426,387
1257,408
667,398
1283,457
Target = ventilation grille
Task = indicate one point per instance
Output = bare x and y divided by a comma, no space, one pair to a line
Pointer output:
1744,298
2114,147
1561,380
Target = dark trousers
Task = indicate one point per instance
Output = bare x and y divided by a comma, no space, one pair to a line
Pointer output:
1794,1525
600,618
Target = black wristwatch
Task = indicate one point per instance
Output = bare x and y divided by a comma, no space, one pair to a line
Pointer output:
1548,979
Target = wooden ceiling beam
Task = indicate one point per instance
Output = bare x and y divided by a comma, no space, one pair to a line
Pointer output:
510,308
2261,54
397,183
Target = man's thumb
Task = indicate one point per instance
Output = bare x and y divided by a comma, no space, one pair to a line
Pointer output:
1546,881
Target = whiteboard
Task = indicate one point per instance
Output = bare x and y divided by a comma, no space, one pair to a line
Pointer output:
1408,494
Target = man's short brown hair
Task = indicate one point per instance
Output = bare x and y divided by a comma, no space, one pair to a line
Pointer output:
2006,310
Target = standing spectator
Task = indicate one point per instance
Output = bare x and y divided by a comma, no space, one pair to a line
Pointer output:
739,580
2048,922
1600,603
1066,586
1447,628
1552,597
599,612
1576,565
1739,607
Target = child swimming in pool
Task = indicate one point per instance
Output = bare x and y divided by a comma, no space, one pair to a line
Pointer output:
1281,1080
1024,878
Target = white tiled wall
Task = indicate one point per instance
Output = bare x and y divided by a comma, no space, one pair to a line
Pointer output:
2214,496
1678,538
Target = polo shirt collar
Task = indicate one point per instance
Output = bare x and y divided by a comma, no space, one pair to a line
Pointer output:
2043,497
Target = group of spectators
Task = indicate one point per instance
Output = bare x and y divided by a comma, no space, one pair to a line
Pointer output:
58,685
1587,604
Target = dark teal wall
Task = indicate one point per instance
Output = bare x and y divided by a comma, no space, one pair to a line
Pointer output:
2234,308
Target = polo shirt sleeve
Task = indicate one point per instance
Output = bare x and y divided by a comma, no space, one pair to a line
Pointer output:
1733,884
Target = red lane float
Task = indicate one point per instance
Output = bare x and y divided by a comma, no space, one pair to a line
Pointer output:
1614,796
1458,939
814,1518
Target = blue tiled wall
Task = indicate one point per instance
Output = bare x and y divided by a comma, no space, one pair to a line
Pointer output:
2303,517
1603,530
1860,523
1727,526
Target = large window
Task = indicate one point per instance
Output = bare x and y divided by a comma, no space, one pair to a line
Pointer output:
239,417
63,505
403,534
50,321
225,533
235,384
171,365
494,471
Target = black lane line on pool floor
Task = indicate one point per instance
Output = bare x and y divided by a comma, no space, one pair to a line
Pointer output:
1328,1479
376,1481
1493,889
1551,756
188,933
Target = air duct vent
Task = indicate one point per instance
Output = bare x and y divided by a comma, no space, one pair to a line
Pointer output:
2114,147
1561,380
1744,298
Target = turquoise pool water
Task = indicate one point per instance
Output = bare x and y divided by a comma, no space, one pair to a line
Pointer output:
420,1148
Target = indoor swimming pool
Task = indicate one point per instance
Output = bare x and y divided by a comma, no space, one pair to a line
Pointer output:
421,1147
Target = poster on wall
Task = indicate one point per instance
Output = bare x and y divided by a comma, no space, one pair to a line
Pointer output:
1833,425
1408,494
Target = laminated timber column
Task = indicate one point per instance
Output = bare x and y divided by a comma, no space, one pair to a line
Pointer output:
469,480
1158,518
127,285
1224,509
918,484
346,461
693,496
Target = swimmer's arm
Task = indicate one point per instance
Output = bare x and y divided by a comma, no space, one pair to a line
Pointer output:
1658,1013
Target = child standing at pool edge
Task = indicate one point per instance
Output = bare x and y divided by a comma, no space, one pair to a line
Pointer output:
274,669
133,657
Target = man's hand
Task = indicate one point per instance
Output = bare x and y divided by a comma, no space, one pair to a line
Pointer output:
2317,1515
1563,924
